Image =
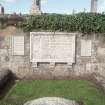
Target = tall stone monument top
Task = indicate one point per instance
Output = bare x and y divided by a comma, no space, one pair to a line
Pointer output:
1,10
35,7
94,6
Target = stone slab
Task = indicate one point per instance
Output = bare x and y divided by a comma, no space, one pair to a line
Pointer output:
86,48
52,47
51,101
17,45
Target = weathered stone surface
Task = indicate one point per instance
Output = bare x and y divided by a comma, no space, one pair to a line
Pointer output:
92,62
101,54
88,67
51,101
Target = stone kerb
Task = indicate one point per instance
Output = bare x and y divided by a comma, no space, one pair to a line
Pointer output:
51,101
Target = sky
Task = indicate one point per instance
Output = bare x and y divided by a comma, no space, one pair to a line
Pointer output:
51,6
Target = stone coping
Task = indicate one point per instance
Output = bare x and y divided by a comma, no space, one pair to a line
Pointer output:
52,101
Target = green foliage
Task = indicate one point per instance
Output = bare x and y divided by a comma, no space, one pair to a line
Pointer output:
82,22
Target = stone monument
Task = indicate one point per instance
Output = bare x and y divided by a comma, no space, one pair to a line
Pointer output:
93,6
35,7
1,10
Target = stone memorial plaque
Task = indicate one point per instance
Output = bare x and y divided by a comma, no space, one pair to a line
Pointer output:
52,47
17,45
86,46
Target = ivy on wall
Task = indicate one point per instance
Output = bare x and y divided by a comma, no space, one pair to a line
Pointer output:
82,22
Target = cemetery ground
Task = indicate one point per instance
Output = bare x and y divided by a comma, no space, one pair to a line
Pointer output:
79,90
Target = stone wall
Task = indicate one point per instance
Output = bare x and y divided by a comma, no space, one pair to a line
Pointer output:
89,57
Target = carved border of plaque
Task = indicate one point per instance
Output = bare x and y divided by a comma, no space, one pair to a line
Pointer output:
17,45
52,48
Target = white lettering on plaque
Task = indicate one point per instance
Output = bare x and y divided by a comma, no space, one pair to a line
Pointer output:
17,45
86,46
52,47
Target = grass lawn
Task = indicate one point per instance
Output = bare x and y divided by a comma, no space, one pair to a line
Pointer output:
80,90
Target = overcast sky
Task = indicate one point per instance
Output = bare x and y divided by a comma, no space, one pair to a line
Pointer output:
51,6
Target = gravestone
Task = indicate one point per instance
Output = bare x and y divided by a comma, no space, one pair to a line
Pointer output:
17,45
86,48
52,48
